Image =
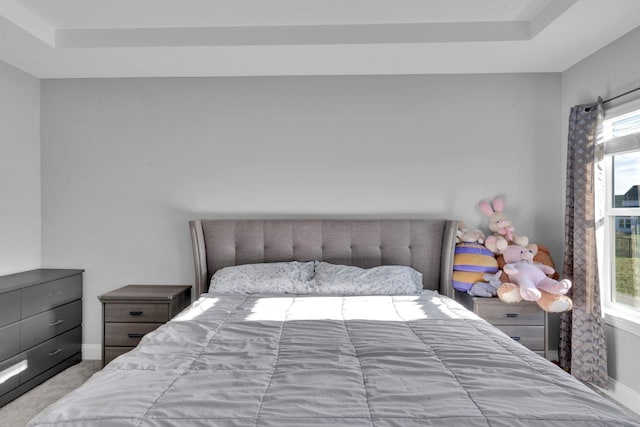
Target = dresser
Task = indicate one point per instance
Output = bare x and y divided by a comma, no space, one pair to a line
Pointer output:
40,327
525,321
130,312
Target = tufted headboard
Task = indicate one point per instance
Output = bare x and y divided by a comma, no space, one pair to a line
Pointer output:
426,245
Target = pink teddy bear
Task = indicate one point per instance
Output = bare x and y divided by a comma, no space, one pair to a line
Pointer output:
531,276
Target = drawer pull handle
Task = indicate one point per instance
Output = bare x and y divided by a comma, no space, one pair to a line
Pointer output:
135,335
136,313
56,323
515,338
53,353
511,315
55,294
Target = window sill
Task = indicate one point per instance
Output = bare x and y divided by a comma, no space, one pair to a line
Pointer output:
619,319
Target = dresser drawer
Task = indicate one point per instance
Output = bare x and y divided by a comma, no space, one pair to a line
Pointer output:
9,341
9,307
40,327
43,326
43,297
126,334
510,314
50,353
11,368
136,312
531,337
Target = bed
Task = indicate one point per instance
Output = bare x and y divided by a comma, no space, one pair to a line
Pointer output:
337,359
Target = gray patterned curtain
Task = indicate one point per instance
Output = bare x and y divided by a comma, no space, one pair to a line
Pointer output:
583,350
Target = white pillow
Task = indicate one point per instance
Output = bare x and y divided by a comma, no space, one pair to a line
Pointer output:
268,278
335,279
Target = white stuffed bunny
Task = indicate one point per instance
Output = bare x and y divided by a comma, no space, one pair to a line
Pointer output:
501,227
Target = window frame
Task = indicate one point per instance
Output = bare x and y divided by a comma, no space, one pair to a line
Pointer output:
616,314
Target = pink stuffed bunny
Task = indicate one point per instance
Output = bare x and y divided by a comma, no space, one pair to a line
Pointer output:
501,227
531,276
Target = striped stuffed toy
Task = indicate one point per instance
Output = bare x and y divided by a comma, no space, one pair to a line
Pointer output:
470,262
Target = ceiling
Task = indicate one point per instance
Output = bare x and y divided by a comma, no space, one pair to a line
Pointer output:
142,38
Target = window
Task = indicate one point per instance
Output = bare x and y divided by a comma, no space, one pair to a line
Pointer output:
621,261
624,225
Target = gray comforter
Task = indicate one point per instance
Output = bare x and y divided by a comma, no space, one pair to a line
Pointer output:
238,360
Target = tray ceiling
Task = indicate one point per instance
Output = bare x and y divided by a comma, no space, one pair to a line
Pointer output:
142,38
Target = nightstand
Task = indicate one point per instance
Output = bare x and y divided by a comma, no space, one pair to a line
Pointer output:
130,312
525,321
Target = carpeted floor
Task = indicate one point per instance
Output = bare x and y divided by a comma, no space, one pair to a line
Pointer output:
20,411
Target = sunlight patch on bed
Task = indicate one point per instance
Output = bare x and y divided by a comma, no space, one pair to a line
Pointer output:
377,308
196,309
269,309
444,309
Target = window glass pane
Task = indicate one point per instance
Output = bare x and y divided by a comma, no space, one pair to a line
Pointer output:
627,261
626,180
624,124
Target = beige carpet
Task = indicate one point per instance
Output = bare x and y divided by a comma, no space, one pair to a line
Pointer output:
20,411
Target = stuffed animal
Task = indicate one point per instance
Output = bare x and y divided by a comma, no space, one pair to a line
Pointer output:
464,235
501,227
470,262
510,292
552,303
532,281
542,256
489,287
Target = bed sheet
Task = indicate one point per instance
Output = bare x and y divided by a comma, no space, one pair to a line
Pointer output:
259,360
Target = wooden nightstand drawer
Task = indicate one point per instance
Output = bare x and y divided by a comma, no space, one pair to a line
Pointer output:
136,312
130,312
126,334
525,322
510,314
111,353
531,337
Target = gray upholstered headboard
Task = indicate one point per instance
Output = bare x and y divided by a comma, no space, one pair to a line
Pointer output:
426,245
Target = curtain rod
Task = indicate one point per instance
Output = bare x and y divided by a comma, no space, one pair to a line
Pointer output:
621,95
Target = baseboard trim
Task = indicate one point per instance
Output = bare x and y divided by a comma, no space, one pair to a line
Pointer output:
91,352
626,396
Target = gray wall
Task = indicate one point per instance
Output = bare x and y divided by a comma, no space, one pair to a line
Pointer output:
20,213
609,72
127,162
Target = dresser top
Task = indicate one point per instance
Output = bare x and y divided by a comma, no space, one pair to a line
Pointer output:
145,292
34,277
